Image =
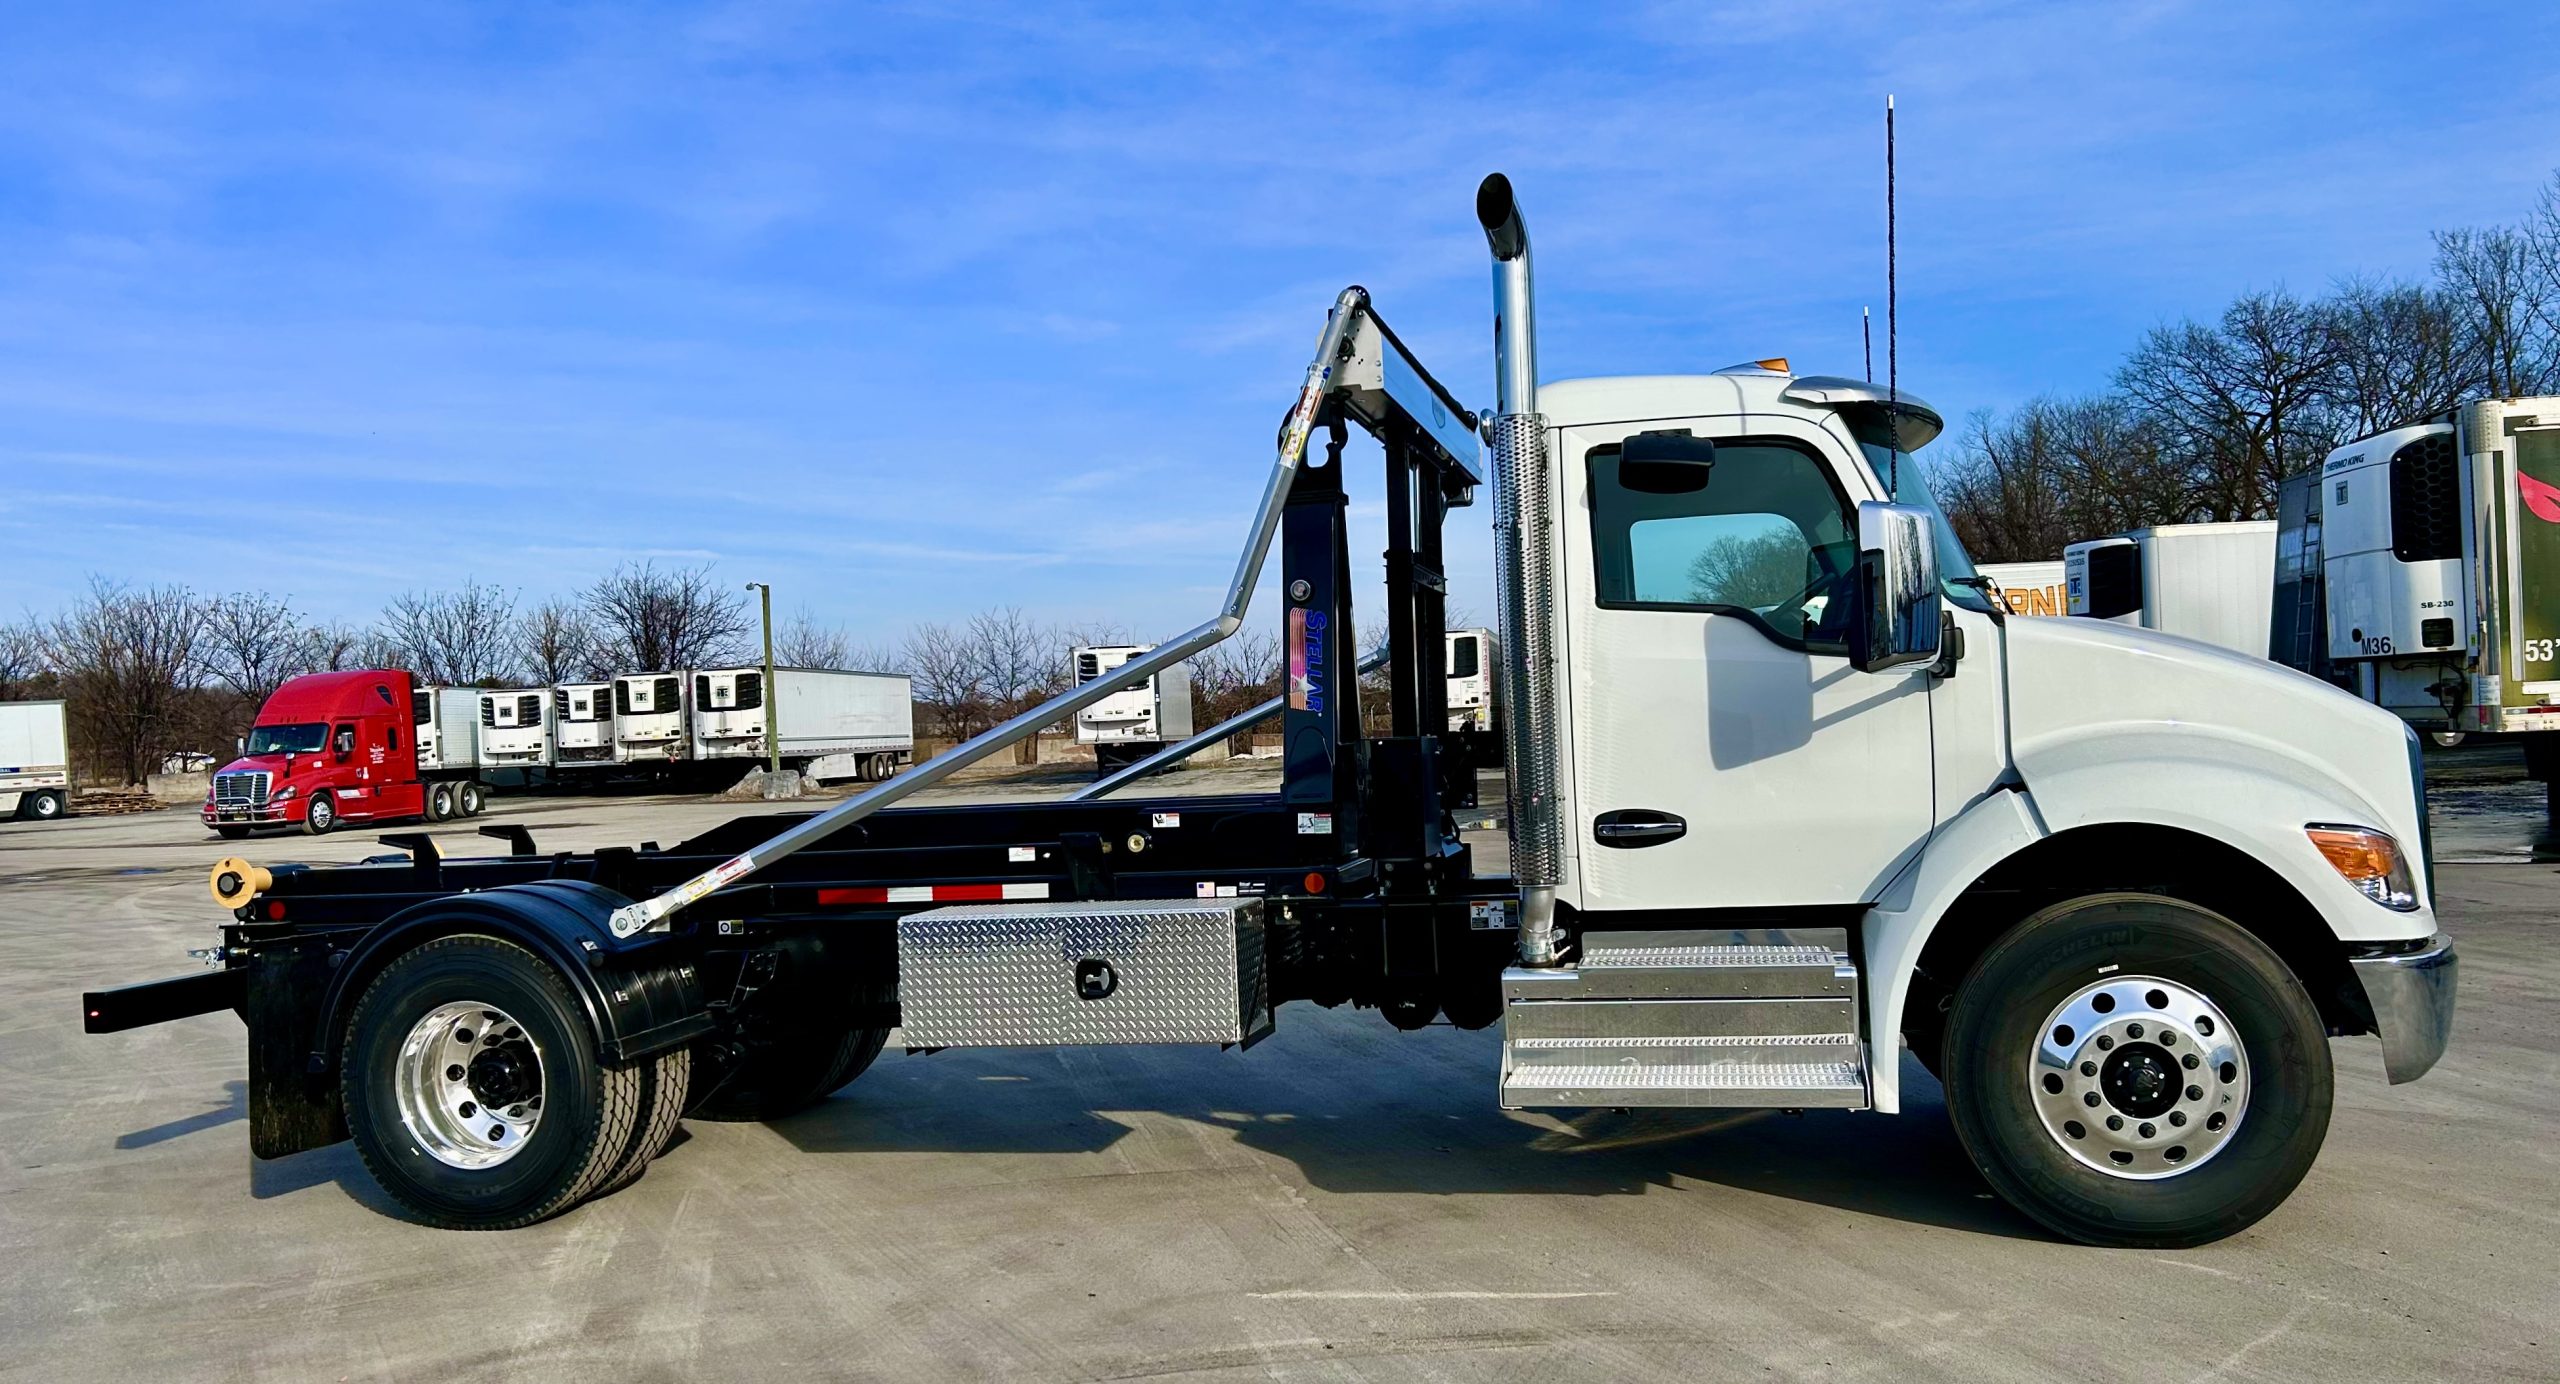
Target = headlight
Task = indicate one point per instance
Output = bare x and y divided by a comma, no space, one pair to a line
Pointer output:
2371,861
283,793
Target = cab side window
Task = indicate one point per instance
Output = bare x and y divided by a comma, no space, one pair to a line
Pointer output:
1769,539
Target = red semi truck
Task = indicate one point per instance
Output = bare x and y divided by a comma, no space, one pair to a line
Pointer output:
335,747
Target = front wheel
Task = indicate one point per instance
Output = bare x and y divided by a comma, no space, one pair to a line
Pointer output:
2134,1070
475,1094
323,815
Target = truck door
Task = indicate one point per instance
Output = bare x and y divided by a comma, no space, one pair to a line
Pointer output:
1725,753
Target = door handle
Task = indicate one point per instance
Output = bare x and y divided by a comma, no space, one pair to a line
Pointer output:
1631,827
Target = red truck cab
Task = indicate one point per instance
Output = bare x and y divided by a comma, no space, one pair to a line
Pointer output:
326,748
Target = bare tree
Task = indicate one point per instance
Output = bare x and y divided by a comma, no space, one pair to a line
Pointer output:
2509,303
127,658
804,643
22,660
649,619
556,642
2243,401
459,638
1232,677
252,643
944,676
2403,354
337,648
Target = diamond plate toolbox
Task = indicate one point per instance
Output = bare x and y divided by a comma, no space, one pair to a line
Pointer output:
1079,972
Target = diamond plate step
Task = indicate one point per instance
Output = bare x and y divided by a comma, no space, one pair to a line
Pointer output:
1688,1018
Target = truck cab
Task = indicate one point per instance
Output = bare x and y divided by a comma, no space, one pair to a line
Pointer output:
325,748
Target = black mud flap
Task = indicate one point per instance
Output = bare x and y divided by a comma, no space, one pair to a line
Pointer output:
291,1107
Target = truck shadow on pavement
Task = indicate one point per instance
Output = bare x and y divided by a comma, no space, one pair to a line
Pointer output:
1398,1114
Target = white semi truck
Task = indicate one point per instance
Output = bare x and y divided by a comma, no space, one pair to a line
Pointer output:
2201,581
1789,797
2420,569
1132,722
35,760
826,722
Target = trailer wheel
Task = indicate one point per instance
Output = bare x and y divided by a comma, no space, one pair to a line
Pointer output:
44,806
322,816
440,802
474,1090
2136,1071
766,1081
664,1086
469,798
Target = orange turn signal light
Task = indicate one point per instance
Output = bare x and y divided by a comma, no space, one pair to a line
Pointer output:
2370,860
1777,363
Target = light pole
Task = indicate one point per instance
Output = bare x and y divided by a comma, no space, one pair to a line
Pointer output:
772,694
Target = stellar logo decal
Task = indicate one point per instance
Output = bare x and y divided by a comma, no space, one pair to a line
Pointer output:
1307,670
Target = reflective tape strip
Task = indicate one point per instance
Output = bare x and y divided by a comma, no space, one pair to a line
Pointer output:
932,893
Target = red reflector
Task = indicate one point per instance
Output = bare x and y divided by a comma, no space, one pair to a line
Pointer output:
967,893
828,898
1315,883
275,909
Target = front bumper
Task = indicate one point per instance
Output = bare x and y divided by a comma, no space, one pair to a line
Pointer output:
274,814
2411,994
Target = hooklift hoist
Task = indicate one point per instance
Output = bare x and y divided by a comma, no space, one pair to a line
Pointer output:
763,969
2122,935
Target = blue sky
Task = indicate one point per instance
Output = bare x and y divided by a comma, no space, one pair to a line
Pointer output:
915,309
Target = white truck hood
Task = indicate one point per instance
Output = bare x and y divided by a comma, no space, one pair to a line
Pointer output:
2109,722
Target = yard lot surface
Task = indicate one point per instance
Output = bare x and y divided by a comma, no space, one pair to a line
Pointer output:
1343,1202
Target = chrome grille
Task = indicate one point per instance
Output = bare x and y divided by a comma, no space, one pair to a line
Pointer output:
247,789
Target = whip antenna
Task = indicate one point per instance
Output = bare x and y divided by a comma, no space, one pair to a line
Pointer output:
1892,325
1867,340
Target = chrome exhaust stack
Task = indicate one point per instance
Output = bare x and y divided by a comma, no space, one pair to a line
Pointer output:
1524,575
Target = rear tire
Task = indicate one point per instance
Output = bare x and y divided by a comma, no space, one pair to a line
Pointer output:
44,806
440,802
469,798
575,1123
769,1080
665,1081
2194,1126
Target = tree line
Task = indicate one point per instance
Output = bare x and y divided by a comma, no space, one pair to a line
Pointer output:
152,674
2203,419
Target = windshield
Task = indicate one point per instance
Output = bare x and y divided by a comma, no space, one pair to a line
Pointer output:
301,738
1910,483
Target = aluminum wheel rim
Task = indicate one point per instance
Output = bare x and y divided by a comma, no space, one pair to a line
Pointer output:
2139,1077
468,1082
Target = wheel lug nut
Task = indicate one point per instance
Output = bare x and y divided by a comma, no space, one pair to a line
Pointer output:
497,1132
2177,1119
469,1110
2088,1069
2133,1030
2115,1122
2090,1100
2168,1039
2145,1129
2189,1062
2195,1093
2105,1042
516,1112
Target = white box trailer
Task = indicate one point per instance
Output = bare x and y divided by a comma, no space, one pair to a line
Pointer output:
515,729
650,724
2203,581
1133,722
2030,588
582,724
447,723
1467,662
828,722
35,760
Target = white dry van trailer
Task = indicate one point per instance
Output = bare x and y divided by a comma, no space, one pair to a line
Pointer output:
446,722
1813,801
1133,721
2420,569
2200,581
582,725
35,760
827,722
2029,588
651,721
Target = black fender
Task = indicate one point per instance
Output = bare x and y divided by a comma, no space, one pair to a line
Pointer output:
643,994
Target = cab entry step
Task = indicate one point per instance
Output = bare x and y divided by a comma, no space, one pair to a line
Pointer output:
1084,972
1757,1017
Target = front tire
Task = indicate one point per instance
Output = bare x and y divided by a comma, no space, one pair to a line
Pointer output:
2136,1071
322,817
475,1094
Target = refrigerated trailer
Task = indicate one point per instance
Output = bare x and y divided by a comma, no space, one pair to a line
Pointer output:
582,724
2201,581
515,731
1138,719
652,718
1812,801
862,725
2420,569
35,760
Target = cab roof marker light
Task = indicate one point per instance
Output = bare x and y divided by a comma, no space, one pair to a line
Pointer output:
2370,860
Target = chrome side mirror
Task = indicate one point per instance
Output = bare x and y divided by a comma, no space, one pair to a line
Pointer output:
1898,614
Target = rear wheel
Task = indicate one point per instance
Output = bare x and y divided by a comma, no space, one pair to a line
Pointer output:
475,1093
468,798
44,806
439,802
323,815
2137,1071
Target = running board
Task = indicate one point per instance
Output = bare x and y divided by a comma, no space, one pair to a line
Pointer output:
1763,1017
